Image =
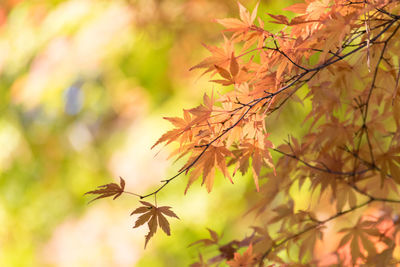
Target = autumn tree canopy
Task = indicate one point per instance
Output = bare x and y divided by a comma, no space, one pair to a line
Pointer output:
345,56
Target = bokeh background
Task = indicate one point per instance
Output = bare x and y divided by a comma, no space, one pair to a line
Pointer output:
84,85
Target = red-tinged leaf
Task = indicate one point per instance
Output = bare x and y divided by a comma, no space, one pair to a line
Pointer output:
207,242
213,235
223,72
247,259
301,20
204,242
200,263
234,66
108,190
279,19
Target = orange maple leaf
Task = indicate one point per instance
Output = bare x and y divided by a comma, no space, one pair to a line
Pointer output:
213,157
183,130
247,259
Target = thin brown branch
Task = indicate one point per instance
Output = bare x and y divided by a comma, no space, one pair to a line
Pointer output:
326,170
130,193
269,96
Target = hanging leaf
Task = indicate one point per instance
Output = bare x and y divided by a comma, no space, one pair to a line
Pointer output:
154,216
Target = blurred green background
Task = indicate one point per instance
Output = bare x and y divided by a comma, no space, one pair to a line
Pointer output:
84,85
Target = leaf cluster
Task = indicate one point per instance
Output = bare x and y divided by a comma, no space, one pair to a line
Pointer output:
345,56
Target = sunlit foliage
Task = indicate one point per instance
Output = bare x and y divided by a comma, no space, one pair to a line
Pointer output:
344,56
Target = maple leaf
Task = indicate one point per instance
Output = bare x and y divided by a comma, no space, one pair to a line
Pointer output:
279,19
203,112
315,53
108,190
152,215
208,242
389,162
223,72
245,14
359,234
200,263
260,156
246,20
183,130
247,259
213,157
220,57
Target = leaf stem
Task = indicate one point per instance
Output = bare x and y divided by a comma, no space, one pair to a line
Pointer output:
127,192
